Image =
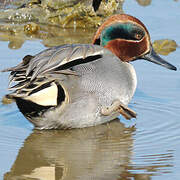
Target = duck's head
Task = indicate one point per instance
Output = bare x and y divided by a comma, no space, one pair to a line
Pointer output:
128,38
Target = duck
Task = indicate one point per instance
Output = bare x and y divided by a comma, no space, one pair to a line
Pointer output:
83,85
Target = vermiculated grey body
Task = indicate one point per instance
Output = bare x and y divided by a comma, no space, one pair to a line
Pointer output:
88,86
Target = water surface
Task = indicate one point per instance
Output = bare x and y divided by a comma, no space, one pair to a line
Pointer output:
145,148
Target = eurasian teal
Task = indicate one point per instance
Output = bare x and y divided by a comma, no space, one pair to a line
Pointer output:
81,85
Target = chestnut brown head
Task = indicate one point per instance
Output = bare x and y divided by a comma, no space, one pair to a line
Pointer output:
128,38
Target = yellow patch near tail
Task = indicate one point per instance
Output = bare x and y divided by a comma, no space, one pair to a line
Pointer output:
46,96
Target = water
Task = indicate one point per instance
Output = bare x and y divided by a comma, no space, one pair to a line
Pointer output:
145,148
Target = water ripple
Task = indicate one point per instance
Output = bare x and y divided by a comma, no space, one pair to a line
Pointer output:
156,137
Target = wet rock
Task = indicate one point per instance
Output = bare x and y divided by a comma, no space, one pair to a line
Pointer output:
6,100
144,2
69,13
31,28
164,46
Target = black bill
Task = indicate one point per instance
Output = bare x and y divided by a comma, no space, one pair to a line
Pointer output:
152,56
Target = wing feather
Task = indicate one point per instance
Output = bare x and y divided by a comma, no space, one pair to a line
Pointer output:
45,67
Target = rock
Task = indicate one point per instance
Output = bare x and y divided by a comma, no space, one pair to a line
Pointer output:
164,46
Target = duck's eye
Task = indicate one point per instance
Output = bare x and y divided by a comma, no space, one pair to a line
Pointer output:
138,36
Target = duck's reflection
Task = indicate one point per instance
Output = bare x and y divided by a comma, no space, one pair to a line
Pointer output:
101,152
